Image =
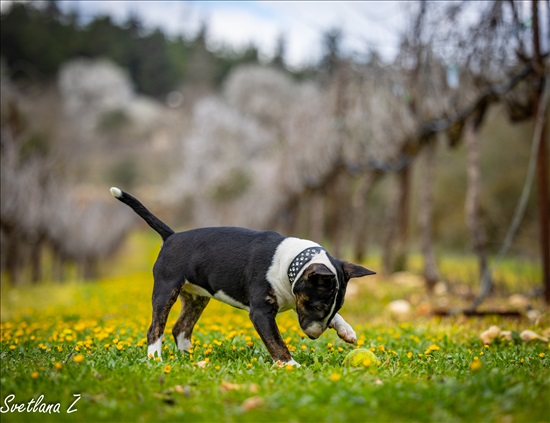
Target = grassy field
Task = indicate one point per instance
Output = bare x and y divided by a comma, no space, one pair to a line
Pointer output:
88,340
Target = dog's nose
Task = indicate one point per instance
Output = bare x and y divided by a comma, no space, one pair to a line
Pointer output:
314,330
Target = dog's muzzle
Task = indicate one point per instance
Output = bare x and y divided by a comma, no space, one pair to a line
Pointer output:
314,330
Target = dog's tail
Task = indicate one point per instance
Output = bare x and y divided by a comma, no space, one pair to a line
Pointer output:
153,221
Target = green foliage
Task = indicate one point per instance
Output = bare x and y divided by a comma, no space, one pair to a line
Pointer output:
36,41
90,340
113,120
236,184
124,173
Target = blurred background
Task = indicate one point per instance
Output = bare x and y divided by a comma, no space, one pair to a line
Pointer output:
405,131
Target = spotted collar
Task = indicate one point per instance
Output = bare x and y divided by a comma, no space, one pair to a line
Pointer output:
301,260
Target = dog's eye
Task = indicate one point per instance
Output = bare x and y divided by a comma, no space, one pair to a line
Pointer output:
319,308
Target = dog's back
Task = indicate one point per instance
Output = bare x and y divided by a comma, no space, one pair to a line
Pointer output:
218,258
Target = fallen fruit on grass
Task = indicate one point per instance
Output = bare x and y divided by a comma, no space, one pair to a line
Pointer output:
490,335
360,357
529,335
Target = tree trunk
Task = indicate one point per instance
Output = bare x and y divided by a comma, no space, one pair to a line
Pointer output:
543,198
395,245
13,257
359,216
36,261
317,217
403,219
389,240
542,165
338,195
431,272
473,195
90,268
59,264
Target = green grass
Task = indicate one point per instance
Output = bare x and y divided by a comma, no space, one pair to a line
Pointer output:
431,369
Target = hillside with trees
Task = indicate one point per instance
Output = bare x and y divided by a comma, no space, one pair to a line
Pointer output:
428,153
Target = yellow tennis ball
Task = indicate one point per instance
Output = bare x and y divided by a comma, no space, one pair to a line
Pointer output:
361,357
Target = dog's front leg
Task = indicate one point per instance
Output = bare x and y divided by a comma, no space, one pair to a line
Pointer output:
343,329
263,318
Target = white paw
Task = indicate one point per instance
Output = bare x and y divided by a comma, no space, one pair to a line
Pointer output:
280,363
343,329
183,343
346,333
155,349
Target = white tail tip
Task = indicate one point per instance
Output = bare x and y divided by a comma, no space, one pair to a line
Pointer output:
116,192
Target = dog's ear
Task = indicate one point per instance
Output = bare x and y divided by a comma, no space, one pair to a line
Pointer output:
317,269
355,271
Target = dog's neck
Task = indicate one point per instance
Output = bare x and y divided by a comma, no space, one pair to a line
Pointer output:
298,264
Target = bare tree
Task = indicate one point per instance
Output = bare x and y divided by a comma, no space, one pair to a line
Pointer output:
473,194
425,215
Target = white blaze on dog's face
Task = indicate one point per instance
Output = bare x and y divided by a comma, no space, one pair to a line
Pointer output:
320,292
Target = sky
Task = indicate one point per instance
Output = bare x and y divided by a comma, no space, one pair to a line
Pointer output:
365,25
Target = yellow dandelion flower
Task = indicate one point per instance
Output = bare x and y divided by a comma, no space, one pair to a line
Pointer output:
522,360
12,347
303,348
475,365
119,346
167,369
541,355
34,375
58,365
409,354
217,367
79,358
367,363
249,366
289,367
335,377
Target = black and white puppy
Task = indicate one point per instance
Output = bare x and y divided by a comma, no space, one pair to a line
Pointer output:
262,272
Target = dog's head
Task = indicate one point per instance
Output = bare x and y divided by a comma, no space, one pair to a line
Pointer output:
320,292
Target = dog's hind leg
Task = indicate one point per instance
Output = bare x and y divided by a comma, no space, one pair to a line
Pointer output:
192,307
163,300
